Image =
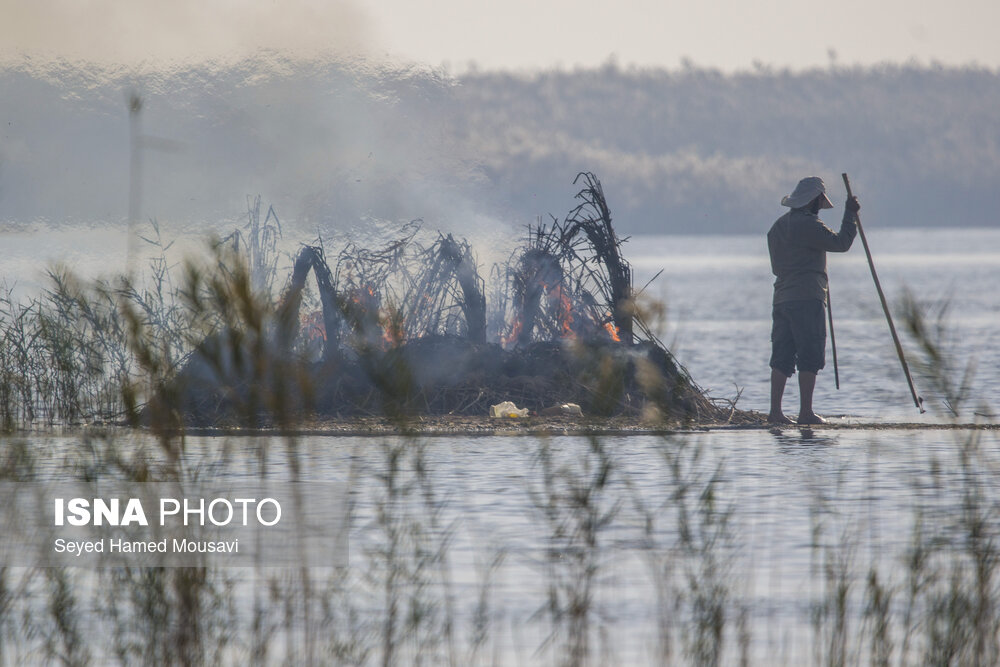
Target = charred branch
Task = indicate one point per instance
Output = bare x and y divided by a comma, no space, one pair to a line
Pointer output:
448,295
592,218
538,273
363,282
312,257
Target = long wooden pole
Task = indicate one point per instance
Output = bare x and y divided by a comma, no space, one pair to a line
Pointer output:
917,400
833,339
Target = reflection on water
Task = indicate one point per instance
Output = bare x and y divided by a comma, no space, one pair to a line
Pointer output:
789,438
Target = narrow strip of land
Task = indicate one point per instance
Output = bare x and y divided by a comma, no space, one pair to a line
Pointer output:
448,425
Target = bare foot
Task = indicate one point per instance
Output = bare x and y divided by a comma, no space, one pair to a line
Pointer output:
778,419
811,418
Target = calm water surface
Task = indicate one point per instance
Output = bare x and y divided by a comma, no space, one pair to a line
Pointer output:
794,500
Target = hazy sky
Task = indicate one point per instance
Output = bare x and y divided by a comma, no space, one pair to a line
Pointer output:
515,34
729,34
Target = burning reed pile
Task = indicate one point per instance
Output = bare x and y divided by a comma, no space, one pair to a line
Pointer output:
407,329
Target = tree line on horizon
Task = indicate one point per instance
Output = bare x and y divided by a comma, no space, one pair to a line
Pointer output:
680,151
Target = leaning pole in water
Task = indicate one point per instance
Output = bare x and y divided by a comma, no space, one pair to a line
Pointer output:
917,400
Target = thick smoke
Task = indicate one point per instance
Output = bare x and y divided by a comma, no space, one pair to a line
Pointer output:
329,145
153,34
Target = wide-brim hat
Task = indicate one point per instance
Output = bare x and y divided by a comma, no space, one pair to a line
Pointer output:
808,189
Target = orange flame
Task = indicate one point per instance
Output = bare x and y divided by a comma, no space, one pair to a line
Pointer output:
363,296
612,332
515,332
392,336
564,312
393,331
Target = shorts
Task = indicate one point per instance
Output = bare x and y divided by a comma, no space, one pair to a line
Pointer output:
798,336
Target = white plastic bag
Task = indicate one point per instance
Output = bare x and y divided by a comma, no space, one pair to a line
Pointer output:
507,410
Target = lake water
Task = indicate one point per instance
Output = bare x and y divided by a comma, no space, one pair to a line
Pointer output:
764,525
793,500
790,511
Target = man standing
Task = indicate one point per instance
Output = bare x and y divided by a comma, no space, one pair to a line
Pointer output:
798,242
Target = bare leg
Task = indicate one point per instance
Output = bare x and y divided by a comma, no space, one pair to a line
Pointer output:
778,380
807,383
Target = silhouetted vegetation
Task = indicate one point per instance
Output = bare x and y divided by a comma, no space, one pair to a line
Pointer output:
400,329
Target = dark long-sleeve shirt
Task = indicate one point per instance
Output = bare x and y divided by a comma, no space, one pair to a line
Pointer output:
798,242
